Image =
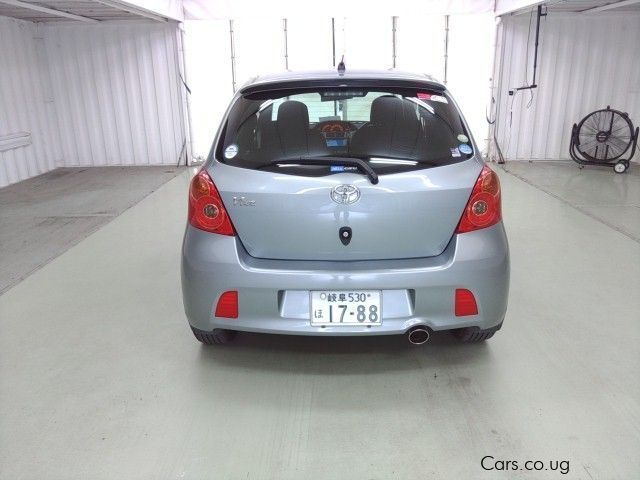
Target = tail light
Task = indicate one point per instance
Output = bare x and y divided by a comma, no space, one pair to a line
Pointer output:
206,210
484,207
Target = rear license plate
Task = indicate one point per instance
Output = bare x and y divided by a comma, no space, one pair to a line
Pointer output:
354,307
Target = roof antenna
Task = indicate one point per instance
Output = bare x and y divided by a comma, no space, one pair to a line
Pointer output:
341,66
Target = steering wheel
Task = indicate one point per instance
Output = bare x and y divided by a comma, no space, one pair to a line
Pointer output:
335,126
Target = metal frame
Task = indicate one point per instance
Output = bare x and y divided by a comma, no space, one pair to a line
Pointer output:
333,39
115,4
121,5
48,11
185,95
611,6
14,140
502,7
233,56
394,29
286,44
533,83
446,48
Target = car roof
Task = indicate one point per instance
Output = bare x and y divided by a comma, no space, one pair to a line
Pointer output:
332,78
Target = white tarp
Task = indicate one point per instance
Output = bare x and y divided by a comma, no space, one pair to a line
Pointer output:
225,9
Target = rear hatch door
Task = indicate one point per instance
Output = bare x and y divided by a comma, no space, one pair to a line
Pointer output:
406,215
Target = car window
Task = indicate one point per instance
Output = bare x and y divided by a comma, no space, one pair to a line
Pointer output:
393,130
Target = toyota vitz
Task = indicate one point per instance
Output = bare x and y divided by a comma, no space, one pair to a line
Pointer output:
344,203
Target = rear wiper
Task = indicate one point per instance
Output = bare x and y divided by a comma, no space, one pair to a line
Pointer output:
360,164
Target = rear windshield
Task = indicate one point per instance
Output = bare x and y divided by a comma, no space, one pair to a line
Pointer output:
392,130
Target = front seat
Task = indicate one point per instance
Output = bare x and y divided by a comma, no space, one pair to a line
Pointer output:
374,138
292,127
407,140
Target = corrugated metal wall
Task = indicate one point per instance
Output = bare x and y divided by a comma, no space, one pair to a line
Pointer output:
117,93
586,62
89,95
24,103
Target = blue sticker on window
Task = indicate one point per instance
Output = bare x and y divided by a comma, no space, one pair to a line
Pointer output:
464,148
337,168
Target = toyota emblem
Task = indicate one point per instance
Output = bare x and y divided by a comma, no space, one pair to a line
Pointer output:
345,194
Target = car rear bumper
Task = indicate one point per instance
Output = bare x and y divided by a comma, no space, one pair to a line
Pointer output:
273,294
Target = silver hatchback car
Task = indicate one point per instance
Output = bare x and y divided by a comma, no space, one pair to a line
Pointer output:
344,203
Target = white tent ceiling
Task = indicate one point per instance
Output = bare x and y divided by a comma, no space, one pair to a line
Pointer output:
93,11
225,9
221,9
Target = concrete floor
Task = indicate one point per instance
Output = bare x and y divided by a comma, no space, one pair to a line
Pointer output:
100,377
596,191
46,215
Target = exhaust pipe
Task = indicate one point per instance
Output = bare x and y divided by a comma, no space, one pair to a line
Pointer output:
418,335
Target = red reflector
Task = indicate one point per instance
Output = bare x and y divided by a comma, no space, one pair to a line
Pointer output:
227,306
465,303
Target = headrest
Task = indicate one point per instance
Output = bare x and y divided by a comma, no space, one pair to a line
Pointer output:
383,109
293,114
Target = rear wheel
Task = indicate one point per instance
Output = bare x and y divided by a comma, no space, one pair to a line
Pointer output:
475,334
216,337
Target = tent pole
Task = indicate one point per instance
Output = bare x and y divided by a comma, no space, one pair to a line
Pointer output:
333,38
446,47
185,94
394,28
233,57
286,44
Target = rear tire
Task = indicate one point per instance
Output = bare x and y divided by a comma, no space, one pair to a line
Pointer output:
218,336
475,334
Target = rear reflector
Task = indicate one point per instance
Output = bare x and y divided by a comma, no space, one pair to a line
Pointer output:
465,303
227,306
